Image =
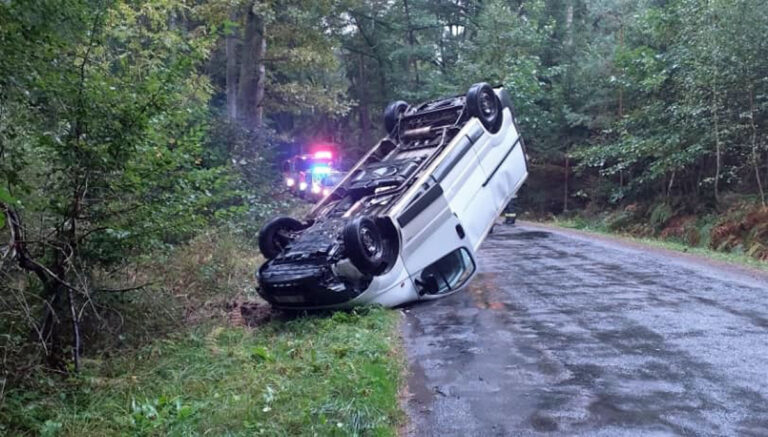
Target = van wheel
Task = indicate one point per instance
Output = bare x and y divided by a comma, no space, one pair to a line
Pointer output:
484,104
277,234
367,247
392,114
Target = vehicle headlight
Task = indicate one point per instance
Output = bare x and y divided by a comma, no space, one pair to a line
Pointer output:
302,186
316,189
290,182
326,192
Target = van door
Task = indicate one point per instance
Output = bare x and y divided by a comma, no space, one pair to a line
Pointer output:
463,181
429,228
435,251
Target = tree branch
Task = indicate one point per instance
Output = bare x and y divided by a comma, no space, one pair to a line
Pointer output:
123,290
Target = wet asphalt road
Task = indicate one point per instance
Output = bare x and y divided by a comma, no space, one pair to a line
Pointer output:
564,334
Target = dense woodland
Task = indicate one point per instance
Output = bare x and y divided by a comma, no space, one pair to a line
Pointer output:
129,128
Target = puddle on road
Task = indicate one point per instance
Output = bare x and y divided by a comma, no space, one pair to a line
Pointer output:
524,235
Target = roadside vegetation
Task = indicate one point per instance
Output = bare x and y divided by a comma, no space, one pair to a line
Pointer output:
330,374
198,352
738,233
686,238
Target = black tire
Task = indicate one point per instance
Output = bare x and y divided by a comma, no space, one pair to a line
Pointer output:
277,234
483,103
365,245
392,114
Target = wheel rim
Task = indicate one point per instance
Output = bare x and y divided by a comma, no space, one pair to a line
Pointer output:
282,239
401,110
371,243
488,105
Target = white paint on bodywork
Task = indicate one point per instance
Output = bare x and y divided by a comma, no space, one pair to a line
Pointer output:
390,289
432,234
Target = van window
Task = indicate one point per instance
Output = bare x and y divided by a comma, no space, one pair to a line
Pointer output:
449,272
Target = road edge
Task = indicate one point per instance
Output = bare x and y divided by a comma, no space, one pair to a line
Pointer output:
685,257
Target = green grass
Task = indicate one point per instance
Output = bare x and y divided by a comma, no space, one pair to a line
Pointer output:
333,374
600,227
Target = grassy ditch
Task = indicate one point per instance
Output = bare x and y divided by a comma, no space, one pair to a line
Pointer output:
181,356
333,374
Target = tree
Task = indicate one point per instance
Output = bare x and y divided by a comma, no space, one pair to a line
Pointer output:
109,145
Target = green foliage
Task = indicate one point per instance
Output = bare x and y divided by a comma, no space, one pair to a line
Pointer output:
118,112
506,51
333,374
693,93
660,214
160,414
110,145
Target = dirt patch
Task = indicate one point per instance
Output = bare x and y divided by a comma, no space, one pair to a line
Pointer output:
749,233
682,228
249,313
482,289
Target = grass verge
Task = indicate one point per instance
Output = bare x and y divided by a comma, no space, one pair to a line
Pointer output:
600,228
333,374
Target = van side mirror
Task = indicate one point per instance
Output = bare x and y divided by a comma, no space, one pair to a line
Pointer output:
427,284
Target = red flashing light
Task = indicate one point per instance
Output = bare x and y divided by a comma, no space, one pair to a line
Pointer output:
323,154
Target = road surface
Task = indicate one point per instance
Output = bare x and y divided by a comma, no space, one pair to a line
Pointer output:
566,334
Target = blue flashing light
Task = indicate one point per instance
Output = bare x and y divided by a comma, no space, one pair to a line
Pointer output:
321,170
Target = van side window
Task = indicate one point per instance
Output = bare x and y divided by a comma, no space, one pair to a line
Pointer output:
448,273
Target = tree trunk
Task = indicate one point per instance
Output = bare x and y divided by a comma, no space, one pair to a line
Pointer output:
381,64
621,86
569,24
362,94
261,72
671,183
568,44
718,158
231,49
412,61
755,155
250,94
75,331
565,190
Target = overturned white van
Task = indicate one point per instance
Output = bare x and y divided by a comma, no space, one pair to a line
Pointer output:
405,222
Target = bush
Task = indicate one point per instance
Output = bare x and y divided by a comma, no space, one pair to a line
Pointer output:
660,215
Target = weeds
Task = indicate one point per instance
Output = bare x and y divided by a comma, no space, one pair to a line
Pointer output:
163,358
314,375
698,235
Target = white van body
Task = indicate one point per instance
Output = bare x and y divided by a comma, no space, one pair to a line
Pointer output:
440,220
